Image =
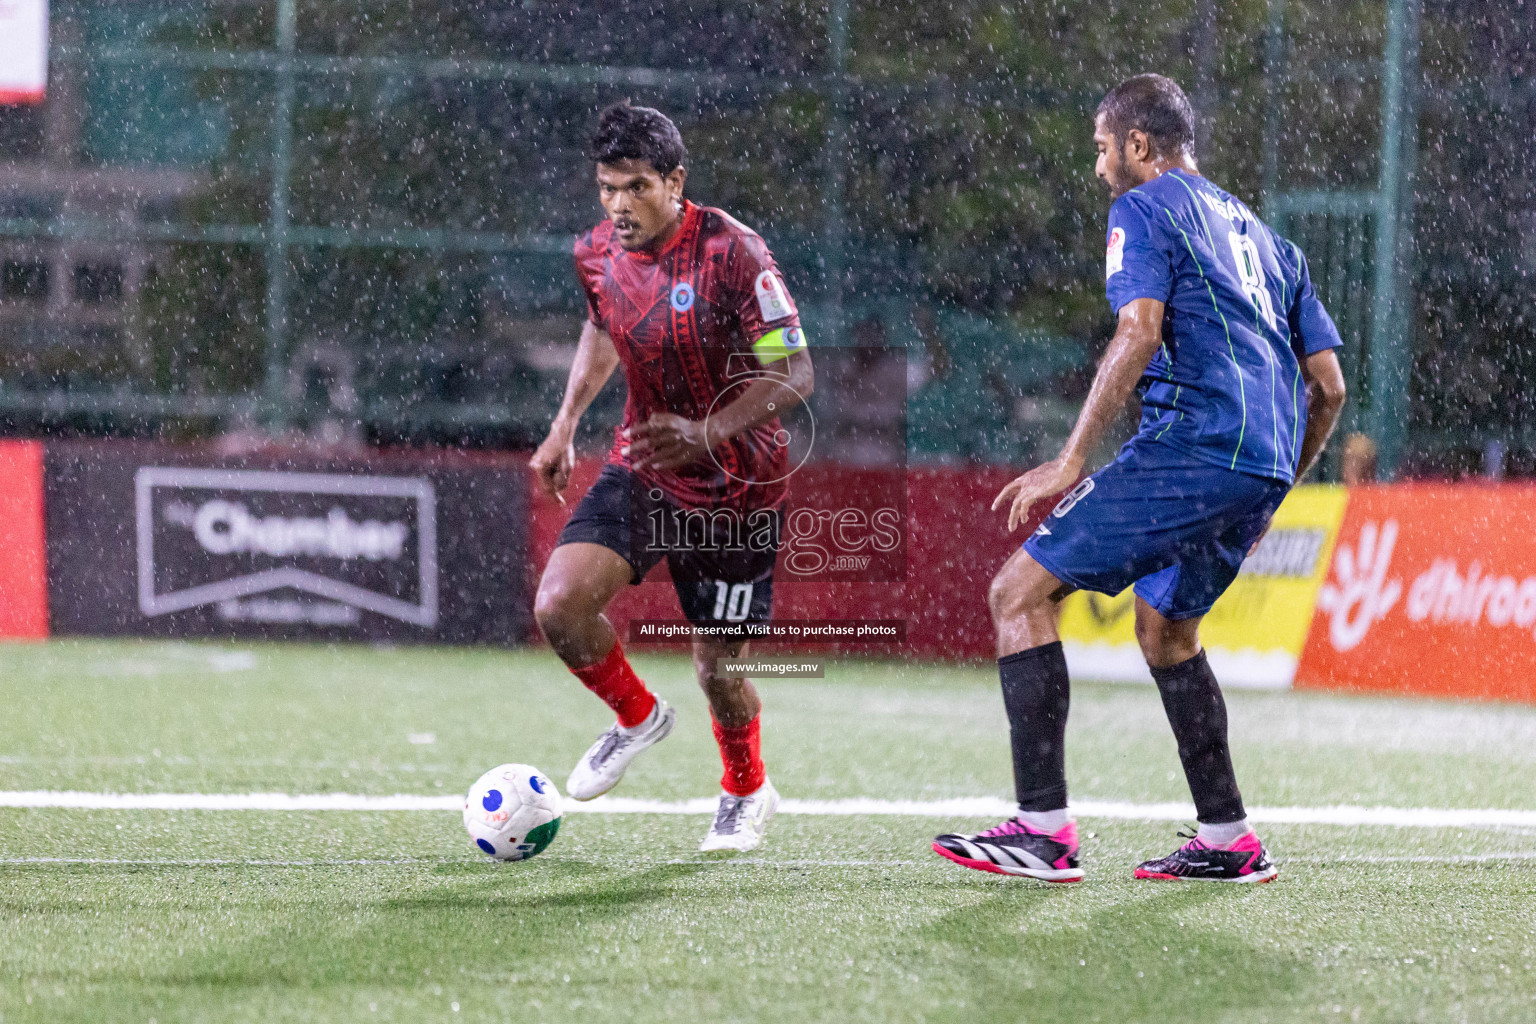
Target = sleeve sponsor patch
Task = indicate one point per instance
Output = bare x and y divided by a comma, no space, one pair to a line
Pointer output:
772,301
1114,253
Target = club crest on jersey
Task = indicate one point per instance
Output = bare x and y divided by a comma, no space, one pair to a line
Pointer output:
1114,253
772,302
682,296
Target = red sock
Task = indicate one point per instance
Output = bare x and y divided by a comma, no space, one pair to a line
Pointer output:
616,683
740,750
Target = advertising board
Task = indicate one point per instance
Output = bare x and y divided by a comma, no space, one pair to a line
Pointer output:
23,51
1432,591
23,585
173,542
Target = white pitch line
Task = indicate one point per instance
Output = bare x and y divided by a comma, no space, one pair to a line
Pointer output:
407,861
1338,814
734,862
971,807
1424,858
207,863
75,800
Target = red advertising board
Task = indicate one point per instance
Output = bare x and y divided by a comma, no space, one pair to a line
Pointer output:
1432,591
954,543
23,572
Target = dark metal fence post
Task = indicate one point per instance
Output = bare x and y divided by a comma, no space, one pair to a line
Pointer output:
1391,346
277,221
835,166
1274,89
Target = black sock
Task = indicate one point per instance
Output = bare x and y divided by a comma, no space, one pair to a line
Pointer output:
1199,719
1036,694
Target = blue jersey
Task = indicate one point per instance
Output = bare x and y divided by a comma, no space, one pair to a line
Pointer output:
1239,317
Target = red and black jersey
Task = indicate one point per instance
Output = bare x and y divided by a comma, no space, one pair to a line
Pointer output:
677,316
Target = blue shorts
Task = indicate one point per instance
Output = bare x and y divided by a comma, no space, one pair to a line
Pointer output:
1177,528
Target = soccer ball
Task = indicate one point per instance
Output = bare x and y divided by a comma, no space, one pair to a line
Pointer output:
512,812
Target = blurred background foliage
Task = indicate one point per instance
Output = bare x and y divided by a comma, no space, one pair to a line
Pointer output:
924,174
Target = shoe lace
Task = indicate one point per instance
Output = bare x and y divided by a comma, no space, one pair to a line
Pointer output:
728,816
1195,842
1009,827
612,742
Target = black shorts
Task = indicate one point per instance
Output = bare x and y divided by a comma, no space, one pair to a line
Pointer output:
721,560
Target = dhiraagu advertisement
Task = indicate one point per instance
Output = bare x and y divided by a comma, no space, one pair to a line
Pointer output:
1255,633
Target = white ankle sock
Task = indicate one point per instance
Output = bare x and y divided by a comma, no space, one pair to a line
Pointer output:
1049,822
1224,834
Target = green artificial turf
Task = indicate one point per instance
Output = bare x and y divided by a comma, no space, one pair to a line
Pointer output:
350,915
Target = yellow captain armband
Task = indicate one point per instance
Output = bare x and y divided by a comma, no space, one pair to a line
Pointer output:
779,344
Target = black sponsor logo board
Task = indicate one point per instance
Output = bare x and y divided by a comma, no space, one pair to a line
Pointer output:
150,540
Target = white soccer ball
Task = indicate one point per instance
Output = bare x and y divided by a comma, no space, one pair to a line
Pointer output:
512,812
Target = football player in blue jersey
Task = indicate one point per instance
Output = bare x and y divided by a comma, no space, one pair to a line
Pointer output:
1223,337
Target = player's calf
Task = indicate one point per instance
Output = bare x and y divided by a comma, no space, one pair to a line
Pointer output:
1041,840
748,799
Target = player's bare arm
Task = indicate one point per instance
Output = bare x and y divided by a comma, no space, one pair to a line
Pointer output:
1137,337
1325,400
595,362
669,441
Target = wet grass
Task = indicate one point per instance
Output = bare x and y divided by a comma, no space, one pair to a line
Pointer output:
118,915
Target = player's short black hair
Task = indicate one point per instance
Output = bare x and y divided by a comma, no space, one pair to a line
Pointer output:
637,133
1153,104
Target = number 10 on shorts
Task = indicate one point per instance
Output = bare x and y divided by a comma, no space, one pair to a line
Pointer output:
732,600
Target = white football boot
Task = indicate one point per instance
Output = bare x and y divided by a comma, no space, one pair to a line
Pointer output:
602,766
740,821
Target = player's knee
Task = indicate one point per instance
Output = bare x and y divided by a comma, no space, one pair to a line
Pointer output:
1007,599
1166,643
999,598
558,607
1152,637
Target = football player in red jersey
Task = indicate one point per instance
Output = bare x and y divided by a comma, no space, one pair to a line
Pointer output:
691,304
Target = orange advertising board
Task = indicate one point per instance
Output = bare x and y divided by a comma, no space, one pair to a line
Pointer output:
1432,591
